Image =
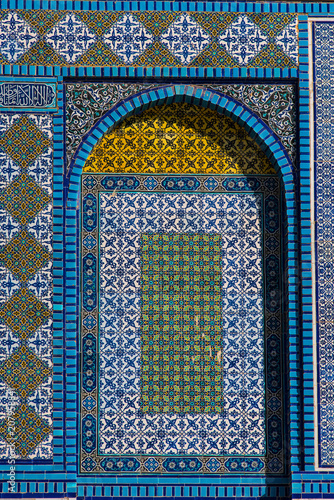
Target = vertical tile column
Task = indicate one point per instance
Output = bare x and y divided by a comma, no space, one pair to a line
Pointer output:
324,233
26,285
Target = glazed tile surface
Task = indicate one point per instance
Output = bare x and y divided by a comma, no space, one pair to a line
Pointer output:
146,410
324,33
178,138
87,102
165,323
181,322
26,275
148,39
230,350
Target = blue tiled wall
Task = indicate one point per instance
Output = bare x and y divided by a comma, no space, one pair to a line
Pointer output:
294,47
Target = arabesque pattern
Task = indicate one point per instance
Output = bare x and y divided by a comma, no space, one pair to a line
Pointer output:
157,38
324,236
87,102
178,138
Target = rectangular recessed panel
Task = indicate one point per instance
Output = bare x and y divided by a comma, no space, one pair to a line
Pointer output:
182,342
236,426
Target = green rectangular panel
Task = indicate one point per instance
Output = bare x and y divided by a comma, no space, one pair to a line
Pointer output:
181,351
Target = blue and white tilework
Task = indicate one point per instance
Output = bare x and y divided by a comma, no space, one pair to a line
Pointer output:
128,38
17,36
243,40
39,284
286,41
70,38
240,429
324,179
148,39
111,326
185,39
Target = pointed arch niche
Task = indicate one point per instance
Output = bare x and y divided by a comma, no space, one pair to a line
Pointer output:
185,202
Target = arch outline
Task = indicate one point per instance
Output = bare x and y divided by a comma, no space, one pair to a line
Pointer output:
270,145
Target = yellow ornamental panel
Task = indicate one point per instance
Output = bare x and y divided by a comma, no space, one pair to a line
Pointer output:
178,138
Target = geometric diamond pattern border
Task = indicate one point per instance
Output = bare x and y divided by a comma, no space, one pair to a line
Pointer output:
156,38
25,140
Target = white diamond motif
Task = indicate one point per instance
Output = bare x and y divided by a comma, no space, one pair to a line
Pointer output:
287,41
128,38
16,37
185,39
70,38
243,40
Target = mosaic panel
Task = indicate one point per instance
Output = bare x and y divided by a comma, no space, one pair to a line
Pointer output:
157,38
25,284
246,433
178,138
324,89
181,351
87,102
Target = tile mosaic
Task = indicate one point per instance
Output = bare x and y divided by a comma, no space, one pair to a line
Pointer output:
17,36
75,43
286,41
121,318
157,38
70,38
181,272
86,102
26,300
243,40
323,81
197,140
128,38
117,213
185,39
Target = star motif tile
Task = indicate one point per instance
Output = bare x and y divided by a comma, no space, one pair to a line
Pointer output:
16,37
8,284
23,199
89,403
23,371
287,41
24,255
70,38
30,430
243,40
24,142
128,38
23,313
185,39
